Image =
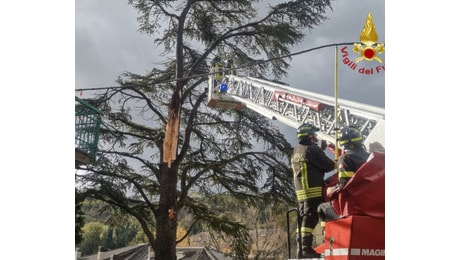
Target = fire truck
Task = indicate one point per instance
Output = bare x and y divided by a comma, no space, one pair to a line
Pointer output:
359,232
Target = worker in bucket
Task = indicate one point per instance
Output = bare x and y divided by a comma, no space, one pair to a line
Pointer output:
219,66
349,162
309,164
229,69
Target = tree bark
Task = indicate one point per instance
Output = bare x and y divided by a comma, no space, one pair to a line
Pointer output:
167,221
165,247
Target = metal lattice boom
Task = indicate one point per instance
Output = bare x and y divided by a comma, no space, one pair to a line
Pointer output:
293,107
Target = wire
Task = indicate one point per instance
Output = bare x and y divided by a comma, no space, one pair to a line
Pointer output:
236,68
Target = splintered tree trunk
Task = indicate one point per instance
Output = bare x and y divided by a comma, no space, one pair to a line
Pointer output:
172,127
165,248
167,222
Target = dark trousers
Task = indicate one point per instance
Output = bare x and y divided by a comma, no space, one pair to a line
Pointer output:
308,210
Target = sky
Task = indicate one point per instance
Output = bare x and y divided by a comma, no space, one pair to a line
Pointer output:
50,48
107,44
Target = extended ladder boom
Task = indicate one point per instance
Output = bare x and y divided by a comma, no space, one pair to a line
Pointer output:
293,107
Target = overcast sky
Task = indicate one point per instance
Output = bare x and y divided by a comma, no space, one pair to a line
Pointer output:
107,44
50,48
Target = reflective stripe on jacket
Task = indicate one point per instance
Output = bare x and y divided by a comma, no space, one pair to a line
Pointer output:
350,162
219,69
309,163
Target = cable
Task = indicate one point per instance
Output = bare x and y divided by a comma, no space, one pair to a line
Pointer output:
236,68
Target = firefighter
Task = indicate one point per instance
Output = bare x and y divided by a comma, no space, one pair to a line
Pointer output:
218,68
229,69
349,162
354,156
217,65
309,164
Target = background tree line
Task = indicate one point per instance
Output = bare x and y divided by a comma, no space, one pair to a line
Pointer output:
102,225
160,143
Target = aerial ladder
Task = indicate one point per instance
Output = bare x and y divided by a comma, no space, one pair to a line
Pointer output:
359,233
294,107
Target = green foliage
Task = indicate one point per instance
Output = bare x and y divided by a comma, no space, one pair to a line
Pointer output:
239,153
119,230
96,234
140,238
93,236
79,217
121,236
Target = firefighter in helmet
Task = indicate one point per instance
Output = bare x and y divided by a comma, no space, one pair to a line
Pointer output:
309,164
354,155
219,66
229,69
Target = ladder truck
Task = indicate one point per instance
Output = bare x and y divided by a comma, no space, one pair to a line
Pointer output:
359,233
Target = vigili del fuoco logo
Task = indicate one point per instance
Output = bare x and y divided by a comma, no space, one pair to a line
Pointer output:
368,49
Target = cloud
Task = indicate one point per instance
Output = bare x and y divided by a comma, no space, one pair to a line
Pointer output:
107,44
315,71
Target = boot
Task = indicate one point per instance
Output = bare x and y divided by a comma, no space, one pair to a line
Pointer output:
307,250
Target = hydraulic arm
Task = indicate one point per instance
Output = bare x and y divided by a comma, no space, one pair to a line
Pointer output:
293,106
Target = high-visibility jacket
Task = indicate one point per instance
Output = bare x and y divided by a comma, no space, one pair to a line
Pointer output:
219,69
350,162
309,164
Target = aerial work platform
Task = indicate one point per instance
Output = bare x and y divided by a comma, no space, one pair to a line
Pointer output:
359,232
294,107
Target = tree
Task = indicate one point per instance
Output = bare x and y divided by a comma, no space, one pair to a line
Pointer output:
163,142
79,217
120,229
267,224
93,235
268,236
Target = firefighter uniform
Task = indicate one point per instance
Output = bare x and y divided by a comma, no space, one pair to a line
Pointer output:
350,162
354,156
309,164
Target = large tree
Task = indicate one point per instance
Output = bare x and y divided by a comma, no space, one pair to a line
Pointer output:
160,140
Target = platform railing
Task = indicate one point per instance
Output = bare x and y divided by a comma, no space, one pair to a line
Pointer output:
87,124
